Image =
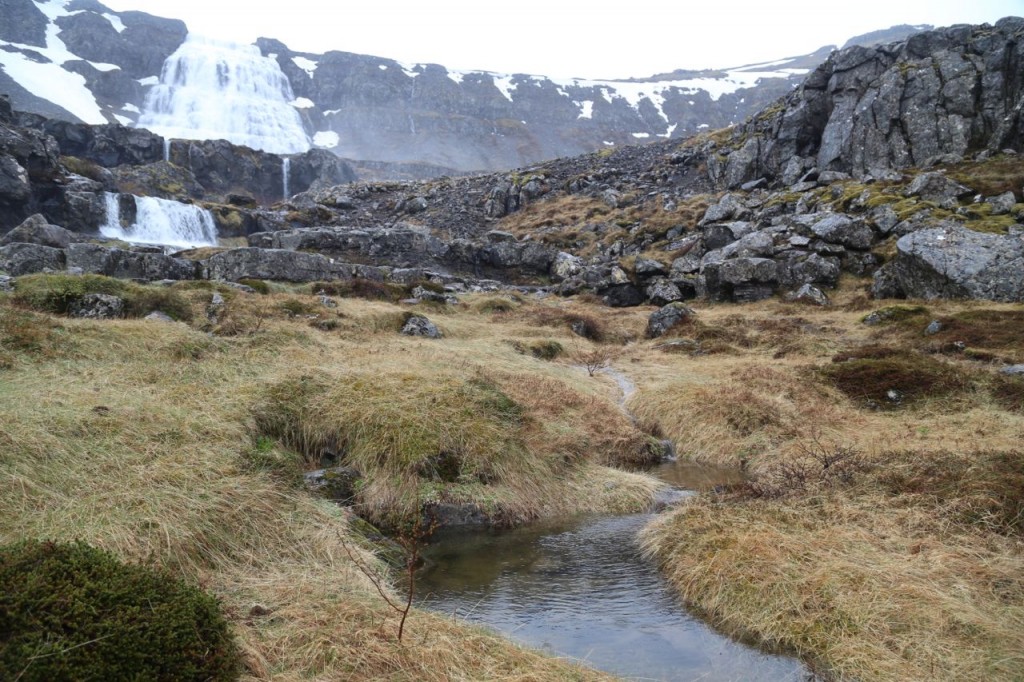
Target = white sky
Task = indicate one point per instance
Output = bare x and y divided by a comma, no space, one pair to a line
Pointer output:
565,38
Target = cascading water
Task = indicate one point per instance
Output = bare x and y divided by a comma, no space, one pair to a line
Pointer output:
160,221
286,165
167,149
212,90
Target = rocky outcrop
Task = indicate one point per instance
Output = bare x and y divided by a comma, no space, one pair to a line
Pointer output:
146,265
275,264
954,262
937,96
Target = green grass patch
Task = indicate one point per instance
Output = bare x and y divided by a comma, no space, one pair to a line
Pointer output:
57,293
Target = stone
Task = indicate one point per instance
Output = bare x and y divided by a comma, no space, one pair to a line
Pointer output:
934,327
647,267
666,317
97,307
717,236
808,293
1002,204
661,291
337,484
455,515
423,294
147,266
1013,370
622,296
951,261
6,284
274,265
22,259
159,316
36,230
566,265
418,325
760,183
841,229
939,189
885,218
729,207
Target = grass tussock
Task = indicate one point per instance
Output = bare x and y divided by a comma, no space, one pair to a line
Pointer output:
906,567
888,377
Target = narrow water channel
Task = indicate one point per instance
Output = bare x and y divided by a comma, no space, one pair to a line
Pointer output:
580,588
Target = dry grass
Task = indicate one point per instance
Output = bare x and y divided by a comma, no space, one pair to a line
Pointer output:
139,437
879,544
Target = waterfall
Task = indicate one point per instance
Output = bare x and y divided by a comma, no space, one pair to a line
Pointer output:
286,164
213,90
167,149
160,221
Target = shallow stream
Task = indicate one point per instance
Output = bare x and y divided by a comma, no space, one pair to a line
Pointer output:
580,588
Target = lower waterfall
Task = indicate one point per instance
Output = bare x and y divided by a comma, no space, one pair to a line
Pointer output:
160,221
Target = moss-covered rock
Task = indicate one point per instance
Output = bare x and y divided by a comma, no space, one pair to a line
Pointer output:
74,612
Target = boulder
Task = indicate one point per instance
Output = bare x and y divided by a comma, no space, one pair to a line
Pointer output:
1002,204
661,291
951,261
144,265
939,189
21,259
35,230
622,296
565,265
418,325
337,484
646,267
97,307
666,317
841,229
810,294
275,265
1013,370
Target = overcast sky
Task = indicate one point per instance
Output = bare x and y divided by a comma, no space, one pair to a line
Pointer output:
565,38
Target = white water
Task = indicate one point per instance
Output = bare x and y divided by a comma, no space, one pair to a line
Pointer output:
212,90
286,165
167,149
161,221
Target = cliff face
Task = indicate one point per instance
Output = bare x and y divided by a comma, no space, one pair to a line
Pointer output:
935,97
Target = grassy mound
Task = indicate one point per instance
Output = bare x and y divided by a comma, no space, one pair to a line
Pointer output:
886,377
57,293
70,611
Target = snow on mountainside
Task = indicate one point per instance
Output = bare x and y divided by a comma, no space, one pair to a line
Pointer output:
78,60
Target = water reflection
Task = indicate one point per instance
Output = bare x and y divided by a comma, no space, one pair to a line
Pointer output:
580,588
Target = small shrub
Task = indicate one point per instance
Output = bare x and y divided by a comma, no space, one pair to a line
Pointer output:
24,332
495,304
74,612
895,313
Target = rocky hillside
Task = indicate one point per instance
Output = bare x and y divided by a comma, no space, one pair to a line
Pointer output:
899,163
80,61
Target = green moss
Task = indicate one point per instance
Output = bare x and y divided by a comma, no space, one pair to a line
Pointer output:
258,285
74,612
885,380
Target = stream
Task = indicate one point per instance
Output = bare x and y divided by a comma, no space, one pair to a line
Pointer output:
579,588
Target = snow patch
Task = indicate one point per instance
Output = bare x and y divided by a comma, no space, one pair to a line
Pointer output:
607,143
302,103
456,76
586,108
132,108
382,67
101,66
410,69
149,80
123,120
703,126
115,21
504,84
332,112
641,136
307,65
668,133
326,138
